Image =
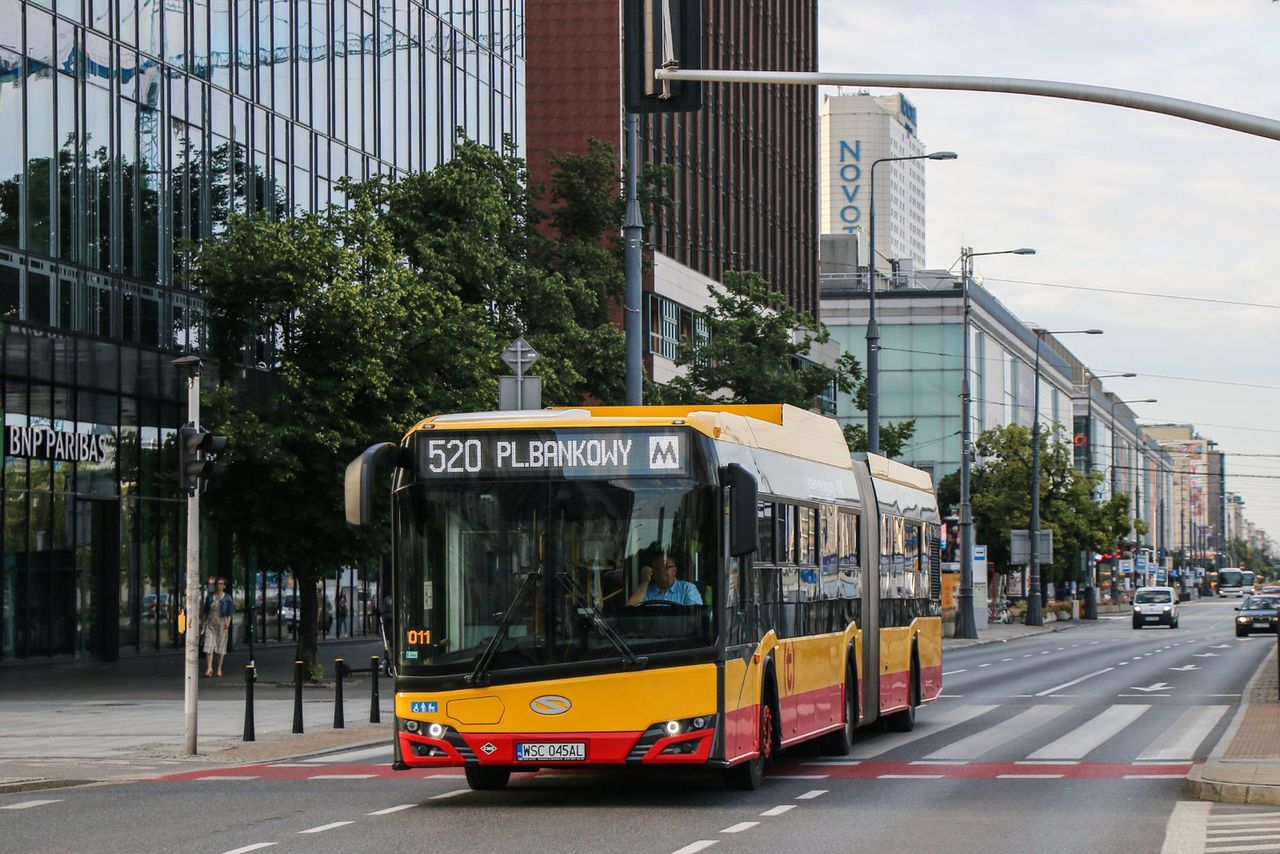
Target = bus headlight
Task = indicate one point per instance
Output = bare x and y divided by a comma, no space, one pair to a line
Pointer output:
435,730
672,727
411,726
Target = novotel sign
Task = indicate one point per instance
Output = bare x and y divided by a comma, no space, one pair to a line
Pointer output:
45,443
849,173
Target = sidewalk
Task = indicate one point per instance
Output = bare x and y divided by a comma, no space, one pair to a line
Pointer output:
1004,632
1245,767
75,723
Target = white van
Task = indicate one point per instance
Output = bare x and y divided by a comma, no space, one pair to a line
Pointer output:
1155,606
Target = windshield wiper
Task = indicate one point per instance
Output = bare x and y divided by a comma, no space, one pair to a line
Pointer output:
587,608
480,676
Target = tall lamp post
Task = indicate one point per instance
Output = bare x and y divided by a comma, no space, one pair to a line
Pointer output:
966,624
1091,576
873,328
1035,616
1115,465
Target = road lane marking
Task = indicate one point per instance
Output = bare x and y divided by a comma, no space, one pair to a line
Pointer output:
778,810
740,826
954,672
1047,762
26,805
811,794
695,847
341,776
215,777
939,761
1093,733
1075,681
257,846
798,776
910,776
1029,776
1181,740
362,753
322,828
1154,776
988,664
390,810
1006,659
992,738
947,718
452,794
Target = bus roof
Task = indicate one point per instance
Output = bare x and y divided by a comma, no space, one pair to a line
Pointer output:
770,426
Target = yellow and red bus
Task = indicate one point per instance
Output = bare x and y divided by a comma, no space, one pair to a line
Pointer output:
652,586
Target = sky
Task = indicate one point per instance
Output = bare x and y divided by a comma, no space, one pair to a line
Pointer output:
1125,201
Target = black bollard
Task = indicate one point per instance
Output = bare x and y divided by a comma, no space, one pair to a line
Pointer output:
374,715
248,702
297,696
338,721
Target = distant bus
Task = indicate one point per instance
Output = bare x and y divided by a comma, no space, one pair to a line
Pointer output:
1246,582
1231,582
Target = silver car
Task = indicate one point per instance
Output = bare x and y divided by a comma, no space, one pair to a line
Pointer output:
1155,606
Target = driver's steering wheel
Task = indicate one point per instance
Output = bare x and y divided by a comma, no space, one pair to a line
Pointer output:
658,603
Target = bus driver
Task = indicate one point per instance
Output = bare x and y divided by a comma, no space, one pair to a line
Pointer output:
661,585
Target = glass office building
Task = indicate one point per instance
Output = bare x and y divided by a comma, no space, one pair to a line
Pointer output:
131,127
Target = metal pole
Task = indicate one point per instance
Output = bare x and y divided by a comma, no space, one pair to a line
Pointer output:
339,722
297,695
966,624
191,676
873,331
633,235
1145,101
1091,568
248,702
1034,615
375,713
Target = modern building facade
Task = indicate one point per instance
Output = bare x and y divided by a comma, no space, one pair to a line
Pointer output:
743,168
131,128
855,131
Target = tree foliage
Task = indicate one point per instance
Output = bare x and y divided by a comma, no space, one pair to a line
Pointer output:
756,351
1001,498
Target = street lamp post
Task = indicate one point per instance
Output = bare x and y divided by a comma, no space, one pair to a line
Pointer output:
1091,575
873,328
966,624
1115,465
1035,616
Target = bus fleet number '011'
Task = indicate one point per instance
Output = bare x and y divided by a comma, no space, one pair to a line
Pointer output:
453,456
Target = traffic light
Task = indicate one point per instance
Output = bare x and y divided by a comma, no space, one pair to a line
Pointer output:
661,34
198,454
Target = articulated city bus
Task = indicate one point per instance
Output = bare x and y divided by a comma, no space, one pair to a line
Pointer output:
652,586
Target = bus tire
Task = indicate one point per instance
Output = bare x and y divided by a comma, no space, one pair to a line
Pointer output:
905,720
839,742
487,777
748,776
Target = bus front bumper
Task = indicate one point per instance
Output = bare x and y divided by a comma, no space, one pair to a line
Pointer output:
667,743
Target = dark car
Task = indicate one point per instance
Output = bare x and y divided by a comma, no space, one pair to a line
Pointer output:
1258,614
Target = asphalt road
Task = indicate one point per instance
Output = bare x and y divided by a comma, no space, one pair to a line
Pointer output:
1062,742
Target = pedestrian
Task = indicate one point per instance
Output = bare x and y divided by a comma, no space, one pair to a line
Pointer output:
342,613
216,617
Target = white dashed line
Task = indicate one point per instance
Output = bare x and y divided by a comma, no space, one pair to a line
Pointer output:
1075,681
26,805
322,828
811,794
694,847
939,762
1006,659
1047,762
390,810
217,777
1154,776
740,826
1028,776
910,777
954,672
452,794
778,810
257,846
342,776
988,664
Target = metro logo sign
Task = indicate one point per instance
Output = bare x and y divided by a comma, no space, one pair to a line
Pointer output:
664,452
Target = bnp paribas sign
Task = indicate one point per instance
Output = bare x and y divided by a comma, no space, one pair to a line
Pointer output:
45,443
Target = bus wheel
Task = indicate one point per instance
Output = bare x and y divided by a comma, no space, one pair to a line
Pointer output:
749,775
905,720
485,777
838,743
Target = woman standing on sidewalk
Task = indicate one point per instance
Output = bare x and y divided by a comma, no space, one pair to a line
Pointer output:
216,615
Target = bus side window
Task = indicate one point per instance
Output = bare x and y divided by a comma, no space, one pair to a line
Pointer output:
764,527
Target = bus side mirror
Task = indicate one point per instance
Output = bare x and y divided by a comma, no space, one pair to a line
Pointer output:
743,494
357,484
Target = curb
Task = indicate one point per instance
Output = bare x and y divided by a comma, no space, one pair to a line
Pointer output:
965,643
14,787
1228,791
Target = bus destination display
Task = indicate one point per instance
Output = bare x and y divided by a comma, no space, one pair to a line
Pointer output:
545,453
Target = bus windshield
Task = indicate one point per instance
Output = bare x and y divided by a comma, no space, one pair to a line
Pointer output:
1229,578
558,571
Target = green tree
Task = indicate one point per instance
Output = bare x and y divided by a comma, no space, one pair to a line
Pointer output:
1001,498
756,351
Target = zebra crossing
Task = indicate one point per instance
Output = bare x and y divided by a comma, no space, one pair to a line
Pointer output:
1137,740
1198,827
